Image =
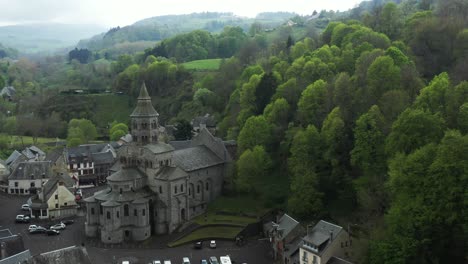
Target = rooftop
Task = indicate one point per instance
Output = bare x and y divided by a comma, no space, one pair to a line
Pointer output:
126,174
31,170
144,107
195,158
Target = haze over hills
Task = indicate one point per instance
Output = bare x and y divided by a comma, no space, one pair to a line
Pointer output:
45,37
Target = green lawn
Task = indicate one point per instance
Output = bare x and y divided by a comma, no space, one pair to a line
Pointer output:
111,107
225,232
241,204
203,65
212,218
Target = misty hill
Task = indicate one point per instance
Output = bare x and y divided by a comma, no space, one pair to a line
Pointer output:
161,27
45,37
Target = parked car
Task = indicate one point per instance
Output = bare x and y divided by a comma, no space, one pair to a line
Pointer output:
185,260
51,232
68,221
213,260
203,261
32,227
22,219
156,262
198,245
60,226
212,244
25,207
38,230
167,262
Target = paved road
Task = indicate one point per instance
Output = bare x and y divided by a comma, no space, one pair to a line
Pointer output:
252,252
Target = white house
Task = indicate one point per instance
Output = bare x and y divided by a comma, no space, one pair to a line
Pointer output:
55,199
27,175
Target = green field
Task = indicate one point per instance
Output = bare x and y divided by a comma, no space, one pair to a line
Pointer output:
203,65
210,232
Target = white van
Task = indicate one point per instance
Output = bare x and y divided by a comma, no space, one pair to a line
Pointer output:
225,260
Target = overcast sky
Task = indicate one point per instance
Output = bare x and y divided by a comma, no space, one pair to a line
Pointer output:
111,13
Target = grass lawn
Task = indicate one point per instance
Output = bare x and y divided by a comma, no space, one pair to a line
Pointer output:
238,204
212,218
111,107
203,65
203,233
17,141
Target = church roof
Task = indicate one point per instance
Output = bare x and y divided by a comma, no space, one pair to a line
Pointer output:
144,107
125,174
159,147
170,173
113,197
195,158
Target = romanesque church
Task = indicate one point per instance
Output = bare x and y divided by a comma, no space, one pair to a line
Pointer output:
156,187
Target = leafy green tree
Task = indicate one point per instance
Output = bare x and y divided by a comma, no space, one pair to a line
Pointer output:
75,137
289,90
382,76
264,91
426,222
313,105
305,151
117,131
392,104
305,200
463,118
252,166
390,21
2,82
342,94
82,129
413,129
183,130
432,97
277,113
256,132
10,125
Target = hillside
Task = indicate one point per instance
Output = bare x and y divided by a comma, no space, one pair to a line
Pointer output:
33,38
162,27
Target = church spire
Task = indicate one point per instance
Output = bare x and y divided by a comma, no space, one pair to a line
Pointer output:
145,123
144,107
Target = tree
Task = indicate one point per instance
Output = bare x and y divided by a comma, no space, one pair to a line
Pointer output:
382,76
314,104
277,113
183,130
264,90
390,22
81,131
305,201
252,167
413,129
463,118
2,82
426,222
305,151
117,131
256,132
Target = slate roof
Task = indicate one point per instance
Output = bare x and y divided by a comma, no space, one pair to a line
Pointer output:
13,243
207,120
73,254
51,185
159,147
34,169
127,138
320,235
54,155
170,173
103,157
13,156
115,196
144,107
126,174
180,144
195,158
37,150
116,167
8,91
335,260
285,225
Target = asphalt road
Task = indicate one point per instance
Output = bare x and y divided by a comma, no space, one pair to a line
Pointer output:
253,252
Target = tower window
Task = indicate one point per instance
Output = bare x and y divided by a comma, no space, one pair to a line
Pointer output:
175,189
108,215
160,189
126,210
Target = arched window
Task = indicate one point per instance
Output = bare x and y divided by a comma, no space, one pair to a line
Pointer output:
108,215
126,210
181,188
160,189
118,214
207,186
175,189
33,184
198,188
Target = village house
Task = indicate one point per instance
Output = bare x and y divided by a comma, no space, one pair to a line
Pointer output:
27,175
55,199
31,153
284,233
325,243
89,164
155,188
200,122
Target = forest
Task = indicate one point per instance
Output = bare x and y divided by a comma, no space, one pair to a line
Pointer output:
358,117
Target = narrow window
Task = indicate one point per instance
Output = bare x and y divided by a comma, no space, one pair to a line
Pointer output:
181,188
207,186
118,214
144,212
92,211
135,212
108,215
175,189
126,210
198,188
56,205
160,189
56,196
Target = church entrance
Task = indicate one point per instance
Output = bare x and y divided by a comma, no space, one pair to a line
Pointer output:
182,214
152,216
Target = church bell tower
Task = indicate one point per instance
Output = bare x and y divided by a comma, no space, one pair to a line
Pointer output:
144,120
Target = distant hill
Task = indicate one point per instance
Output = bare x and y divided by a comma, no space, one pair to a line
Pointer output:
162,27
45,37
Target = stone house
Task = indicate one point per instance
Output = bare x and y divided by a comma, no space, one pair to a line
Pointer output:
325,243
31,153
201,122
55,199
27,175
89,164
155,188
283,234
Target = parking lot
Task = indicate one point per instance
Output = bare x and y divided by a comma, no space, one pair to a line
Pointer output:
253,252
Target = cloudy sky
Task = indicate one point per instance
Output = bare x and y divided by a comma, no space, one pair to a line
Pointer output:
113,13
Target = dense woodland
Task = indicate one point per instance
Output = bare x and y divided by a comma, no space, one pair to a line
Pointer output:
363,123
